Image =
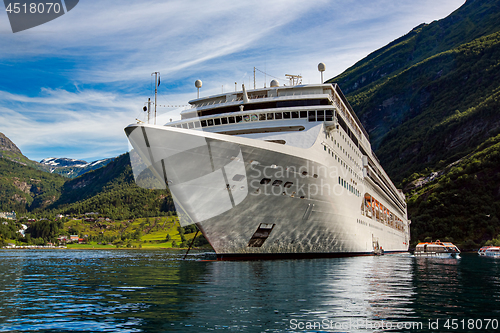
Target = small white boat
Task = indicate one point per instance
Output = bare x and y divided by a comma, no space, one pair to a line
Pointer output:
489,251
437,249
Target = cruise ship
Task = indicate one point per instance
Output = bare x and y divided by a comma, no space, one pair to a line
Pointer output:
285,171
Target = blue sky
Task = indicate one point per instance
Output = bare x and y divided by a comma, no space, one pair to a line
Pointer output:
70,86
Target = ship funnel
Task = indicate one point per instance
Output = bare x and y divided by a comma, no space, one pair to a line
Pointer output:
245,96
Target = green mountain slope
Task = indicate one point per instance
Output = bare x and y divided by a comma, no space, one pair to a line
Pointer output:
432,98
23,188
112,191
435,72
462,204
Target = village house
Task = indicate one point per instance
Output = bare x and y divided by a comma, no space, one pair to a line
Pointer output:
8,216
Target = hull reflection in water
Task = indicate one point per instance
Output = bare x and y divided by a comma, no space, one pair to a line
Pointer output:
156,291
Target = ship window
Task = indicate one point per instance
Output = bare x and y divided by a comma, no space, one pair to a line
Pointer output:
286,115
217,121
324,147
265,181
203,123
277,182
303,114
304,173
288,184
278,115
223,121
190,125
312,115
238,178
239,119
210,122
196,124
254,117
321,115
270,116
328,115
246,117
231,120
184,125
295,114
315,176
262,116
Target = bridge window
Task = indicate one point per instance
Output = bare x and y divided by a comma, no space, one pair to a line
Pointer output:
321,115
328,115
312,115
295,114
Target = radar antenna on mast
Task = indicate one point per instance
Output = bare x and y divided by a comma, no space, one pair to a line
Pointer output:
294,79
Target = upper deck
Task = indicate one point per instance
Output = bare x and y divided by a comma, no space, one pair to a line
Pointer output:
254,102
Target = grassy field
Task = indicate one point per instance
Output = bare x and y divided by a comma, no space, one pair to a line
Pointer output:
144,233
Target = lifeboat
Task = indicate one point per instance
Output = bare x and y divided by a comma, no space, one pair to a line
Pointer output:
437,249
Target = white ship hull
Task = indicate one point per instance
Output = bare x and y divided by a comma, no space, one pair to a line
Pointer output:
307,209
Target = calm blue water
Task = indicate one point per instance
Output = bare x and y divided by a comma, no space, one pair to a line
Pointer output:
155,291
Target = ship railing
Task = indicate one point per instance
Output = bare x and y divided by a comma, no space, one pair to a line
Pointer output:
250,96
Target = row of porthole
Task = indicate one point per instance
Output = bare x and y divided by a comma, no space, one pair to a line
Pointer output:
320,115
349,187
330,151
278,182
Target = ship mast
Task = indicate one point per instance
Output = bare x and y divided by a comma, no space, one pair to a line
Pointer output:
157,83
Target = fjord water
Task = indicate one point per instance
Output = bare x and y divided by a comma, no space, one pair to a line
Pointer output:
156,291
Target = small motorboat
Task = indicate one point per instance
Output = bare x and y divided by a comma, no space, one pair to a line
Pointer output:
437,249
489,251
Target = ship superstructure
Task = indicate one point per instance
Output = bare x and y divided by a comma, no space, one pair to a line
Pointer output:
284,171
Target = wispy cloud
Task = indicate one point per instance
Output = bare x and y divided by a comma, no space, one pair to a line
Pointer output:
68,87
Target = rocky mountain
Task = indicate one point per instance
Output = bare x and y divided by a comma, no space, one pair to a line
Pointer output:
9,151
72,168
7,145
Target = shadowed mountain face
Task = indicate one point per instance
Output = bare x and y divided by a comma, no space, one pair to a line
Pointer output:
430,95
430,101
